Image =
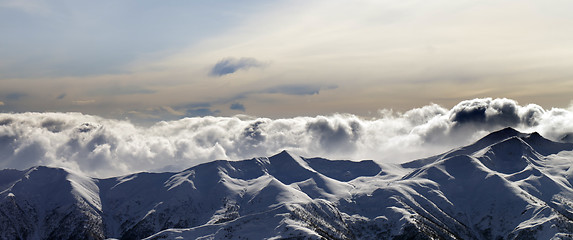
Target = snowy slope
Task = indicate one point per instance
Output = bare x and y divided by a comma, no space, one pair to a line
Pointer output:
508,185
49,203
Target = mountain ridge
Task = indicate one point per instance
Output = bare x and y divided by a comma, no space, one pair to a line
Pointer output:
545,146
507,185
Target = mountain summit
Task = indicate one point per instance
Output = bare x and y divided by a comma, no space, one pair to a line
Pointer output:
508,185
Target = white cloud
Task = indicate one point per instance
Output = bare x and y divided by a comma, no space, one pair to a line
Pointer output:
106,147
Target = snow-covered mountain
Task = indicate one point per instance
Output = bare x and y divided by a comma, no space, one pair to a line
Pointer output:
508,185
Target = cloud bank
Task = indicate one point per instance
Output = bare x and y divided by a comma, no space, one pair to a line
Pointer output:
105,147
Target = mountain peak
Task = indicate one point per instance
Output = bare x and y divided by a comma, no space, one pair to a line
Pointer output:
508,156
544,145
289,168
499,135
284,153
534,141
508,131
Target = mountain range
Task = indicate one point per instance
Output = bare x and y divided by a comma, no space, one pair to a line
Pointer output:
507,185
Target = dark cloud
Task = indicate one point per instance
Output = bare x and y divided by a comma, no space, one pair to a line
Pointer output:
53,125
231,65
86,127
254,133
15,96
493,113
61,96
287,89
194,105
201,112
469,112
6,121
104,147
335,135
197,109
237,106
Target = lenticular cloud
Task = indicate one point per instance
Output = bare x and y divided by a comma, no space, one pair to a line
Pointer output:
105,147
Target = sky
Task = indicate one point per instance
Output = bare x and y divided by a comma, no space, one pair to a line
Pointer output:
114,87
149,61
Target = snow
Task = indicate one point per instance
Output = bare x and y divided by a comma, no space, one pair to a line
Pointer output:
86,188
506,185
179,179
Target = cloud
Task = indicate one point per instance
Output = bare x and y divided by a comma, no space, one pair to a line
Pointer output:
216,107
297,89
15,96
61,96
197,110
231,65
1,103
106,147
122,90
488,111
286,89
172,111
83,102
237,106
335,134
201,112
149,116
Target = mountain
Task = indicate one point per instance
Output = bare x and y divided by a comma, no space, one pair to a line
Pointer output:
508,185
